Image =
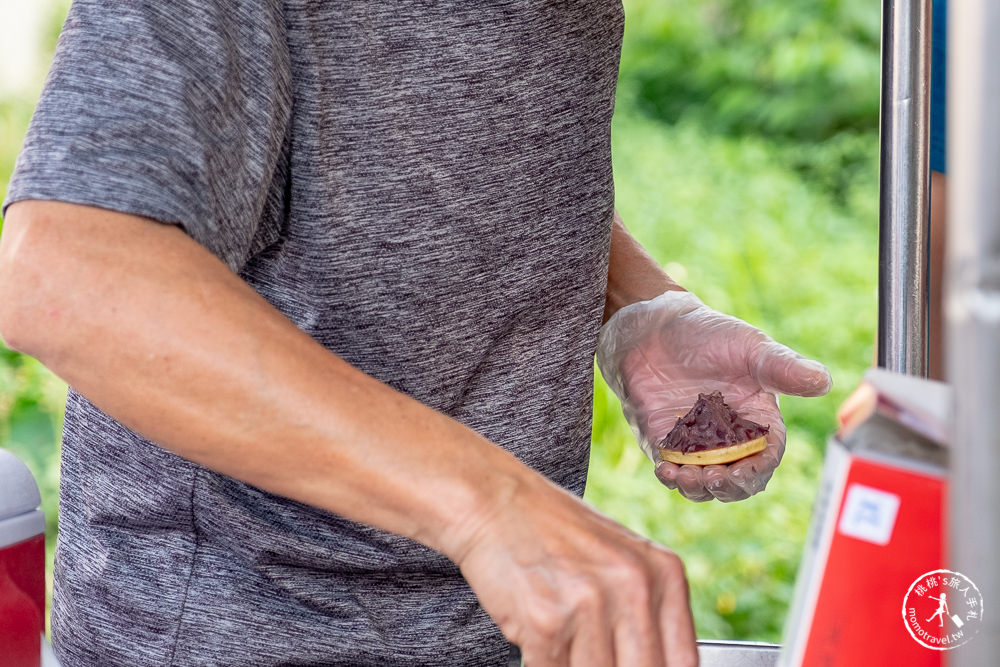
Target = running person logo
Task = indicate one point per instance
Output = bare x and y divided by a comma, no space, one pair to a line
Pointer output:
942,609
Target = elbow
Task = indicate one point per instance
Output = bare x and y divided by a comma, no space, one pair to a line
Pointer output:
16,331
9,333
16,306
27,286
12,331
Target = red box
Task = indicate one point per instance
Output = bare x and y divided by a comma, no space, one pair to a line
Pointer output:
878,530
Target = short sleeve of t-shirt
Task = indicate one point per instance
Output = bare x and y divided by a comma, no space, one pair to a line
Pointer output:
177,111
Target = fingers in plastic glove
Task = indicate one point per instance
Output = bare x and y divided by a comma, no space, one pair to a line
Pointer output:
726,483
781,370
719,482
691,484
666,472
686,479
754,472
751,474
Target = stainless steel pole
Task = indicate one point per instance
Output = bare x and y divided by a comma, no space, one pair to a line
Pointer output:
904,201
973,309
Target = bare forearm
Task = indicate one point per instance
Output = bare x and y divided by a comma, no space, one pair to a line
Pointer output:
633,275
161,335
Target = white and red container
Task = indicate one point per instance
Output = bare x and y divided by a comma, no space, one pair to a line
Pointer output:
878,535
22,565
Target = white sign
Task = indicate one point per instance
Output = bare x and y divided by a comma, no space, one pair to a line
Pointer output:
869,514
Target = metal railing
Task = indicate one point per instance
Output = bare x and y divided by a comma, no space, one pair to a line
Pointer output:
904,189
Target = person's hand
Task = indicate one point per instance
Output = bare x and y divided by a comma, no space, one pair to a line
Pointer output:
658,355
573,588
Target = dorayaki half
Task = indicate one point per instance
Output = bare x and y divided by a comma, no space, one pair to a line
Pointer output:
712,433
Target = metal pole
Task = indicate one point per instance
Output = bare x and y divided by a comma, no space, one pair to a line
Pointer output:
973,309
904,201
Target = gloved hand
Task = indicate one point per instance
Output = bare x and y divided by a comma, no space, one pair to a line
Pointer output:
658,355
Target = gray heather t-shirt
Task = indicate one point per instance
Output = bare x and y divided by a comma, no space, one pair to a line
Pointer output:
425,188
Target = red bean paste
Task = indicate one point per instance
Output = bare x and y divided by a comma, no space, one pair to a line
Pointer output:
711,424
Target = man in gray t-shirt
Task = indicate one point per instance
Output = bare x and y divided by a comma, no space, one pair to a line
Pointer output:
326,280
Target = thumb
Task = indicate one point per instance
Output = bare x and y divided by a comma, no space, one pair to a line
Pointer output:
780,370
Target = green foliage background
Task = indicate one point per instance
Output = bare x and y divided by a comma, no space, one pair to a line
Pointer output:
745,147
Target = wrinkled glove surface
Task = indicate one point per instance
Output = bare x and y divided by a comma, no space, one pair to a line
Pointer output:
657,356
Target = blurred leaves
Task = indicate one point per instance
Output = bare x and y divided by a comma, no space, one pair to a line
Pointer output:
806,70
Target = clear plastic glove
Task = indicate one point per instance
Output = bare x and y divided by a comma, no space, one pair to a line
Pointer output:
658,355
